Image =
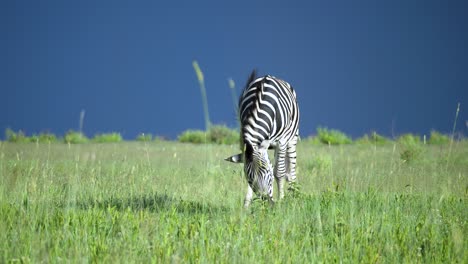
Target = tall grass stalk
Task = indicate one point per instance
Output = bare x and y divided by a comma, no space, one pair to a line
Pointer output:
453,135
201,81
232,86
82,116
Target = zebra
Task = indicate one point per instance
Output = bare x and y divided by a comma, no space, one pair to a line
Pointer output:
269,118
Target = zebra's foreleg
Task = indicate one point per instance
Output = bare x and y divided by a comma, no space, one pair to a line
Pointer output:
248,196
280,169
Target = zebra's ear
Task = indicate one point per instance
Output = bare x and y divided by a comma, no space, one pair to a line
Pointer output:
235,159
265,144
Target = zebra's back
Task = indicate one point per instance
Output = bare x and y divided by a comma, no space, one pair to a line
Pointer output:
268,109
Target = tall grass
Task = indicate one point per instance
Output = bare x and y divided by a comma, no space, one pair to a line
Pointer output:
453,134
232,87
162,203
201,82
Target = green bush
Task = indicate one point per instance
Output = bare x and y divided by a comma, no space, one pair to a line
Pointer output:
107,138
409,139
43,138
410,153
193,136
144,137
332,136
411,147
438,138
217,134
74,137
16,137
34,138
373,138
220,134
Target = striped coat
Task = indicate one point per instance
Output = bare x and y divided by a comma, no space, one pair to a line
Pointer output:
269,117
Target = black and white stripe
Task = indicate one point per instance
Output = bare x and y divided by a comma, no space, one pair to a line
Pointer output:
269,117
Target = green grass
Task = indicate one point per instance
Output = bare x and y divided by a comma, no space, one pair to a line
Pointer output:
172,202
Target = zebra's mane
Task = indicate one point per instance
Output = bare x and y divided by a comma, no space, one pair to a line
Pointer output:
252,77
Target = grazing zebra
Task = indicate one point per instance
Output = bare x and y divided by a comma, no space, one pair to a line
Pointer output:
269,118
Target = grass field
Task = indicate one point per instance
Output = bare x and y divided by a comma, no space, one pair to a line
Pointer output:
171,202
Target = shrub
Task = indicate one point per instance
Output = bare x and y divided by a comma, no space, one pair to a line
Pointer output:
74,137
373,138
107,138
410,153
438,138
16,137
409,139
193,136
144,137
411,147
34,138
332,136
44,138
221,134
218,134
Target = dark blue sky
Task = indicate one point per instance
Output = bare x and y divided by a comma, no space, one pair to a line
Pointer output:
390,66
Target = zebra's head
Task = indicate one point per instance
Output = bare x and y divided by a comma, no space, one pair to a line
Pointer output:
257,167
